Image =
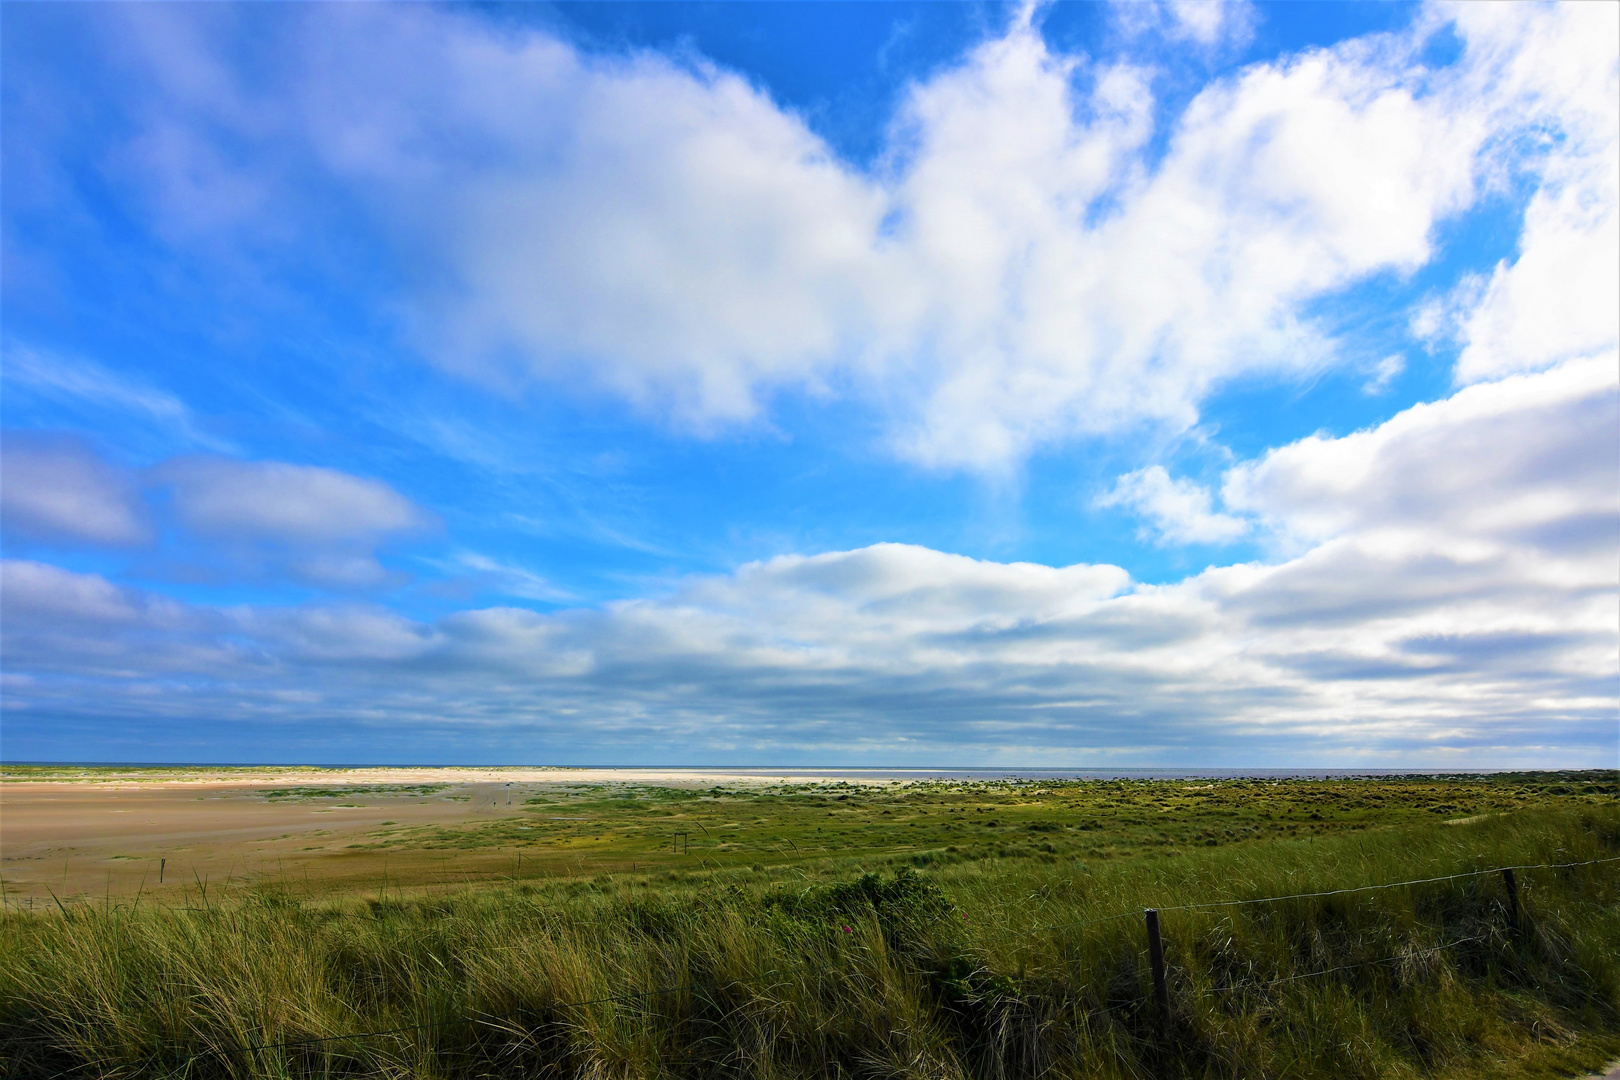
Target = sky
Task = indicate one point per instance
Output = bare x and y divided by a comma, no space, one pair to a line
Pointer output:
1145,384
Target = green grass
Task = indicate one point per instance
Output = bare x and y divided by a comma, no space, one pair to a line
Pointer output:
349,791
868,956
848,825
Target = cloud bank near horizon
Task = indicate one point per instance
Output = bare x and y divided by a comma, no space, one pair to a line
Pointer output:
1453,601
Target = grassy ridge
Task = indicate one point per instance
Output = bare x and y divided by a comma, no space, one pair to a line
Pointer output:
1001,965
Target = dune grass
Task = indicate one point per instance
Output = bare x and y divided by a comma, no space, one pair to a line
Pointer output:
1027,964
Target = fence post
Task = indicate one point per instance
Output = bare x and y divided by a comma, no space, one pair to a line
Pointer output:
161,864
1512,884
1161,992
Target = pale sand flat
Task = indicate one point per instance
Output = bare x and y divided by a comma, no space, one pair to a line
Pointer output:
108,834
203,777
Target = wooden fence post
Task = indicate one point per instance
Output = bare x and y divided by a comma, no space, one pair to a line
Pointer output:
1161,991
1512,884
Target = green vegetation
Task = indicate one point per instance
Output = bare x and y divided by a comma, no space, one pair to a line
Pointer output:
832,931
841,827
350,791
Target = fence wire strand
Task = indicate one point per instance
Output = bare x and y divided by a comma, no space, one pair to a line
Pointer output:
1388,885
1342,967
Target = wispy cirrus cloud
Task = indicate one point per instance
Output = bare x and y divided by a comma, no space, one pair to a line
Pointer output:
88,387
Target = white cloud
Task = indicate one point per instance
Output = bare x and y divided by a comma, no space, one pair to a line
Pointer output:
68,632
1476,471
323,524
1207,23
1018,271
1180,511
1557,299
1557,68
55,489
294,503
1385,372
1456,602
1210,22
336,635
666,232
34,589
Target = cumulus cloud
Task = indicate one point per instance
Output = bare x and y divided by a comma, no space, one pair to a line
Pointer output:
1180,511
1207,23
1384,373
1455,602
55,489
1557,68
1024,266
1521,455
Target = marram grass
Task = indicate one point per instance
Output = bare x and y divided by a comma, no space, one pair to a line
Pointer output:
996,968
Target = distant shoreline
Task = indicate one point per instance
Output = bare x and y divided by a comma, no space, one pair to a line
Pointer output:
59,772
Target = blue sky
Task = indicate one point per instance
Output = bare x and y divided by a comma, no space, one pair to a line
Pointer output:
1113,384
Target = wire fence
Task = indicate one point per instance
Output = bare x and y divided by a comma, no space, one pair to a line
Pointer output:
722,984
1388,885
1136,912
1342,967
